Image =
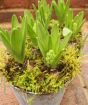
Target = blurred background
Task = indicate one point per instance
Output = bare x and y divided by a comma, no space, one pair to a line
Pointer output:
10,7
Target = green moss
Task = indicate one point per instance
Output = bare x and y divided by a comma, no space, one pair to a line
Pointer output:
32,52
35,80
71,61
12,69
77,41
35,76
3,58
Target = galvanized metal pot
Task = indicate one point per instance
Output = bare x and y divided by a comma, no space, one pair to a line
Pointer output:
35,99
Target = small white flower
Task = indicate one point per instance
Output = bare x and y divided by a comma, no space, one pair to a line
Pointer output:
66,31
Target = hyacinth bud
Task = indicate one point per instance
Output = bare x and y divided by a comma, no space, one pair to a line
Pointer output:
50,57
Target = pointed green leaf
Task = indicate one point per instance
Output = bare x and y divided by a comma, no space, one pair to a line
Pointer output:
29,17
5,39
67,35
32,35
43,37
15,22
16,43
55,36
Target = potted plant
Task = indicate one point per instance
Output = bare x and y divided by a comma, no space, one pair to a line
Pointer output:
42,54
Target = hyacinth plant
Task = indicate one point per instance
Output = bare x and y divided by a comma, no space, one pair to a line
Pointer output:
15,40
44,47
66,17
38,32
51,45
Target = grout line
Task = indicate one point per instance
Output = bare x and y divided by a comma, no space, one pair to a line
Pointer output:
84,89
14,10
85,9
22,9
